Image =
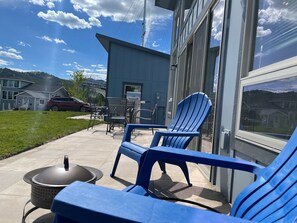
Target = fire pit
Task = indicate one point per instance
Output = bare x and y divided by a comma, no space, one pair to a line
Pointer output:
47,182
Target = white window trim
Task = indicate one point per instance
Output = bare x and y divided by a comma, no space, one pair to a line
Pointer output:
277,71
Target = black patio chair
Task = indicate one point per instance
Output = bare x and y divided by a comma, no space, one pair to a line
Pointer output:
116,113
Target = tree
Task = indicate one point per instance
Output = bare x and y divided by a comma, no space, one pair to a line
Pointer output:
75,86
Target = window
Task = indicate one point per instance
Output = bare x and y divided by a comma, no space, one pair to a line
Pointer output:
212,71
132,88
270,108
10,83
276,32
41,101
4,83
10,95
268,89
16,84
4,94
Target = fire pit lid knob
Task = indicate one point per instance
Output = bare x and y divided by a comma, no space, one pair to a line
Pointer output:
66,163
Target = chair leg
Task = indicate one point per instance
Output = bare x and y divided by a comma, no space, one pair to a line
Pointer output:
115,165
185,170
90,121
162,166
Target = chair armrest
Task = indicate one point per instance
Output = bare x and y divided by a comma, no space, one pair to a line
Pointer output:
83,202
130,127
164,153
158,136
143,109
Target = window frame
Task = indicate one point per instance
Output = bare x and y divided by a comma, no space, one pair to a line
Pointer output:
4,95
4,83
276,71
131,84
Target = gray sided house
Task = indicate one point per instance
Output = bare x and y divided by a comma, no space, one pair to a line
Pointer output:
245,60
34,100
9,88
18,93
36,95
137,69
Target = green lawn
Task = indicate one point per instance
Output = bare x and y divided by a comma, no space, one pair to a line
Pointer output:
23,130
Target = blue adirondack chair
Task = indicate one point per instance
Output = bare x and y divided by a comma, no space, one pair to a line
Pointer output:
190,115
271,198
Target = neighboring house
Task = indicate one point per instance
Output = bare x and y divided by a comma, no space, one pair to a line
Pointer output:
34,100
18,93
9,88
31,100
243,55
132,68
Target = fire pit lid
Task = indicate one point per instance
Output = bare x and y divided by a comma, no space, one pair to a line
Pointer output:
63,175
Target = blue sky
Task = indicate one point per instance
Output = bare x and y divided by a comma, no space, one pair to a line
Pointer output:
58,36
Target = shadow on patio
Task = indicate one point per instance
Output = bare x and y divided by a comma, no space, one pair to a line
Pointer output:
96,149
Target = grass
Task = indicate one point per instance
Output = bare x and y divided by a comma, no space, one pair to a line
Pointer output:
24,130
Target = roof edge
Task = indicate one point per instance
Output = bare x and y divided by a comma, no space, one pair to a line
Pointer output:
166,4
106,40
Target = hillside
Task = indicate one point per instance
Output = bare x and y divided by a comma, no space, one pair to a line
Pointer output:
38,78
44,80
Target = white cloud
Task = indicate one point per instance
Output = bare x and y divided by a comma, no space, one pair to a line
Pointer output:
217,22
21,43
46,38
94,22
4,63
12,50
261,32
125,11
95,71
37,2
154,44
22,70
59,41
276,12
10,53
69,50
50,5
70,72
49,39
65,19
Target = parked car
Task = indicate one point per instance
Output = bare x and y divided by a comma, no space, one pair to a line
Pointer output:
67,104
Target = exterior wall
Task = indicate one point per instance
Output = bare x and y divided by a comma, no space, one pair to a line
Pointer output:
7,104
127,65
28,102
234,68
25,102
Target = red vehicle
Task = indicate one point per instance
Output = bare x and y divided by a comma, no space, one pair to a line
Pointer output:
67,104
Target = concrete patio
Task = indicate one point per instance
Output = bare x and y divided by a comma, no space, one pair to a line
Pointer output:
96,149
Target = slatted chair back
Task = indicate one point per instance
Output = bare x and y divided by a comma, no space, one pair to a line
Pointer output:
273,196
190,115
117,109
116,106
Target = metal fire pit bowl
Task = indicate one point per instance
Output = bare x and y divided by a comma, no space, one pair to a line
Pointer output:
47,182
